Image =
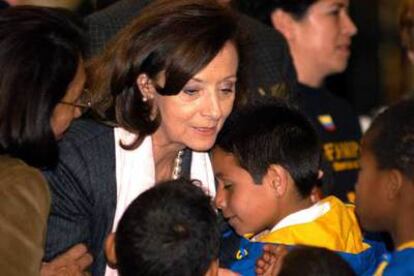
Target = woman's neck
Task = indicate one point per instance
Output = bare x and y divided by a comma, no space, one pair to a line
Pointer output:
307,73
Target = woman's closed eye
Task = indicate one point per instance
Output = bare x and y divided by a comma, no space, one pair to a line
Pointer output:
228,89
227,185
191,91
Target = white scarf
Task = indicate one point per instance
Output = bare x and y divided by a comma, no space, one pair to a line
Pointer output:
135,173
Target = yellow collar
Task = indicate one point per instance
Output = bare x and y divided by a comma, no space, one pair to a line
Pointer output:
409,244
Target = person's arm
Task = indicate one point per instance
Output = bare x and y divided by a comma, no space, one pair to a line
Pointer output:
74,261
69,221
83,189
24,207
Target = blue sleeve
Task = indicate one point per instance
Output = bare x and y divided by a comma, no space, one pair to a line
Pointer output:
244,254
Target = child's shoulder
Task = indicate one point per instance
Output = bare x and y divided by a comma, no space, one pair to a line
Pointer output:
329,223
399,262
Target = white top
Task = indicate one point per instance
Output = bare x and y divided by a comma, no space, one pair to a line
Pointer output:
135,173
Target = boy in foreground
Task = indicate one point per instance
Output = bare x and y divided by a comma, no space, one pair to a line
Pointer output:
170,229
267,163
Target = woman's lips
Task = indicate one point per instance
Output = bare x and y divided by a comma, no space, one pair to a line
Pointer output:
206,131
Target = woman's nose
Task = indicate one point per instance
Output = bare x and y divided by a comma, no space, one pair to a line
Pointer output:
212,106
349,26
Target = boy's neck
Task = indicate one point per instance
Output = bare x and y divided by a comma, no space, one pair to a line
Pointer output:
289,209
298,205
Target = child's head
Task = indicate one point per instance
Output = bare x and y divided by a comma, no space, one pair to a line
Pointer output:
385,184
314,261
266,160
171,229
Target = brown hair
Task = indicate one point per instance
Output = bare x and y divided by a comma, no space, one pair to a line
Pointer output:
178,38
406,23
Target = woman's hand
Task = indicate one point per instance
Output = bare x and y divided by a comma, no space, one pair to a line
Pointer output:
73,262
271,261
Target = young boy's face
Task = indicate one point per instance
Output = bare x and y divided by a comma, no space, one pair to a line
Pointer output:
250,208
371,200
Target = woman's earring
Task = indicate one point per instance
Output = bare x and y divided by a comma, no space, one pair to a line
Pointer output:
144,99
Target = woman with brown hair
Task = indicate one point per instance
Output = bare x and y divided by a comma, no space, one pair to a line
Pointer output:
167,82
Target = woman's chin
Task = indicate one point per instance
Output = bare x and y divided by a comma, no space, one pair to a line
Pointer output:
202,147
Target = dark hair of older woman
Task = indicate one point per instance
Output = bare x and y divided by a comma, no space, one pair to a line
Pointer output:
166,83
41,81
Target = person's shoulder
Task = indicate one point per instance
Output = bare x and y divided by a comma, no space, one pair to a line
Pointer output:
15,168
256,31
401,263
84,131
121,11
23,181
106,23
404,255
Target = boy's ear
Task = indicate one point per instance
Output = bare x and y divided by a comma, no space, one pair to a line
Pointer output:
278,178
283,22
213,269
110,250
320,174
394,184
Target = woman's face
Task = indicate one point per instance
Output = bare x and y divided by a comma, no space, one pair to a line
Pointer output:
321,41
194,116
66,110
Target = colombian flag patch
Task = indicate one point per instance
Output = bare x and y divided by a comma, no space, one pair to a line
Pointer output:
327,122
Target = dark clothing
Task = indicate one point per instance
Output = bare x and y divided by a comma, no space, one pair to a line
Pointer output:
3,5
268,64
340,133
83,188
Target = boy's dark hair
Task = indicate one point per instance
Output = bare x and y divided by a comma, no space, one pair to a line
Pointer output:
391,138
40,51
171,229
314,261
268,132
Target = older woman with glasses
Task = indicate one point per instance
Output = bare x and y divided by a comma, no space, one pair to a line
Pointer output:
41,82
167,82
83,103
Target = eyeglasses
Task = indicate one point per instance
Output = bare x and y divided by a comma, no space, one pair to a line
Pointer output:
84,102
